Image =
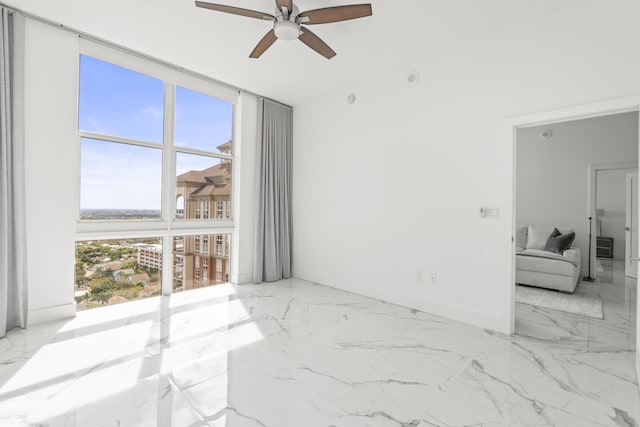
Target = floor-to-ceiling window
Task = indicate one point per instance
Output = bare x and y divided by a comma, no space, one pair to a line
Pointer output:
156,152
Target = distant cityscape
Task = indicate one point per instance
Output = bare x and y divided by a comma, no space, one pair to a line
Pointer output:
113,271
119,214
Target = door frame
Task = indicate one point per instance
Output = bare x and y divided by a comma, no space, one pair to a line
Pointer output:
628,244
596,109
592,198
511,125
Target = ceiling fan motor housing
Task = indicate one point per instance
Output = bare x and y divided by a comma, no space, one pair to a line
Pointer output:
286,30
286,26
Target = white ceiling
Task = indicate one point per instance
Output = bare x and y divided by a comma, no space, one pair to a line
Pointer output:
401,33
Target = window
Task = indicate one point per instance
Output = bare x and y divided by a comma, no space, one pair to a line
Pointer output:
219,209
205,271
219,245
199,175
193,267
202,122
124,154
117,101
228,210
178,267
180,206
115,271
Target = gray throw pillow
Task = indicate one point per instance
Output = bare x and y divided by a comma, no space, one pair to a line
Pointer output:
521,236
559,243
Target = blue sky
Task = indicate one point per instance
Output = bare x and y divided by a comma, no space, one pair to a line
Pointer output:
120,102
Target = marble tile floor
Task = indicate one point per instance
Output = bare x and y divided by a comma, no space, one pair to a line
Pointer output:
293,353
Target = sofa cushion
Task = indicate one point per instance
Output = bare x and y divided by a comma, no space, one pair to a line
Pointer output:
559,243
537,236
546,265
521,236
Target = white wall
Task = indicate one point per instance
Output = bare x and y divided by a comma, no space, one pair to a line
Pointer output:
552,175
611,196
245,182
51,78
52,169
392,184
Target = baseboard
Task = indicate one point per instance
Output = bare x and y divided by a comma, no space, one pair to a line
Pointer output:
473,318
242,278
49,314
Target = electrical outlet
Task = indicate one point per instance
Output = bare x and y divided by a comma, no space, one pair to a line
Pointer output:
433,279
418,276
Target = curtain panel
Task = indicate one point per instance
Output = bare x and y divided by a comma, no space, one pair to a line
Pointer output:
13,271
273,218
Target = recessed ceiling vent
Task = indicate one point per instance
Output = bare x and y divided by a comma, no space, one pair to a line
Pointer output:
546,134
412,78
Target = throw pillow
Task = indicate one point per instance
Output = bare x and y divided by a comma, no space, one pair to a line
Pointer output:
537,236
554,233
559,243
521,236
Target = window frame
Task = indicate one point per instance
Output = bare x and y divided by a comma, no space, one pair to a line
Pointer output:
169,225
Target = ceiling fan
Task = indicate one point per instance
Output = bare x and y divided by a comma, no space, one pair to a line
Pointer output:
287,22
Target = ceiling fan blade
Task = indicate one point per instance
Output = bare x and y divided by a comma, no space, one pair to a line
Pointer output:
264,44
316,43
235,10
286,3
335,14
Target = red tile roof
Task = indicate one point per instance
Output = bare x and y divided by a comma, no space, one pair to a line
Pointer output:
117,299
213,181
142,277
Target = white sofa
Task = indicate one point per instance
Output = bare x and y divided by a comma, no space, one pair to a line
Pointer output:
537,267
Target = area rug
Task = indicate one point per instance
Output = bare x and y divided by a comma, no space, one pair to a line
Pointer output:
585,301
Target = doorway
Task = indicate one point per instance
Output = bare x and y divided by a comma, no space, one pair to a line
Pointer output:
621,105
608,206
629,104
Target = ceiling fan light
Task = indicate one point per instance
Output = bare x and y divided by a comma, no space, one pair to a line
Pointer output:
287,30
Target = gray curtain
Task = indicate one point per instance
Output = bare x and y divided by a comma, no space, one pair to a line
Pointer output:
13,272
273,219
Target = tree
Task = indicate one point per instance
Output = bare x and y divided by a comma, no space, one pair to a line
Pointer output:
133,265
102,289
103,273
81,281
80,271
83,297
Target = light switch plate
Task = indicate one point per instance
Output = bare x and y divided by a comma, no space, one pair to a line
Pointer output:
489,212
